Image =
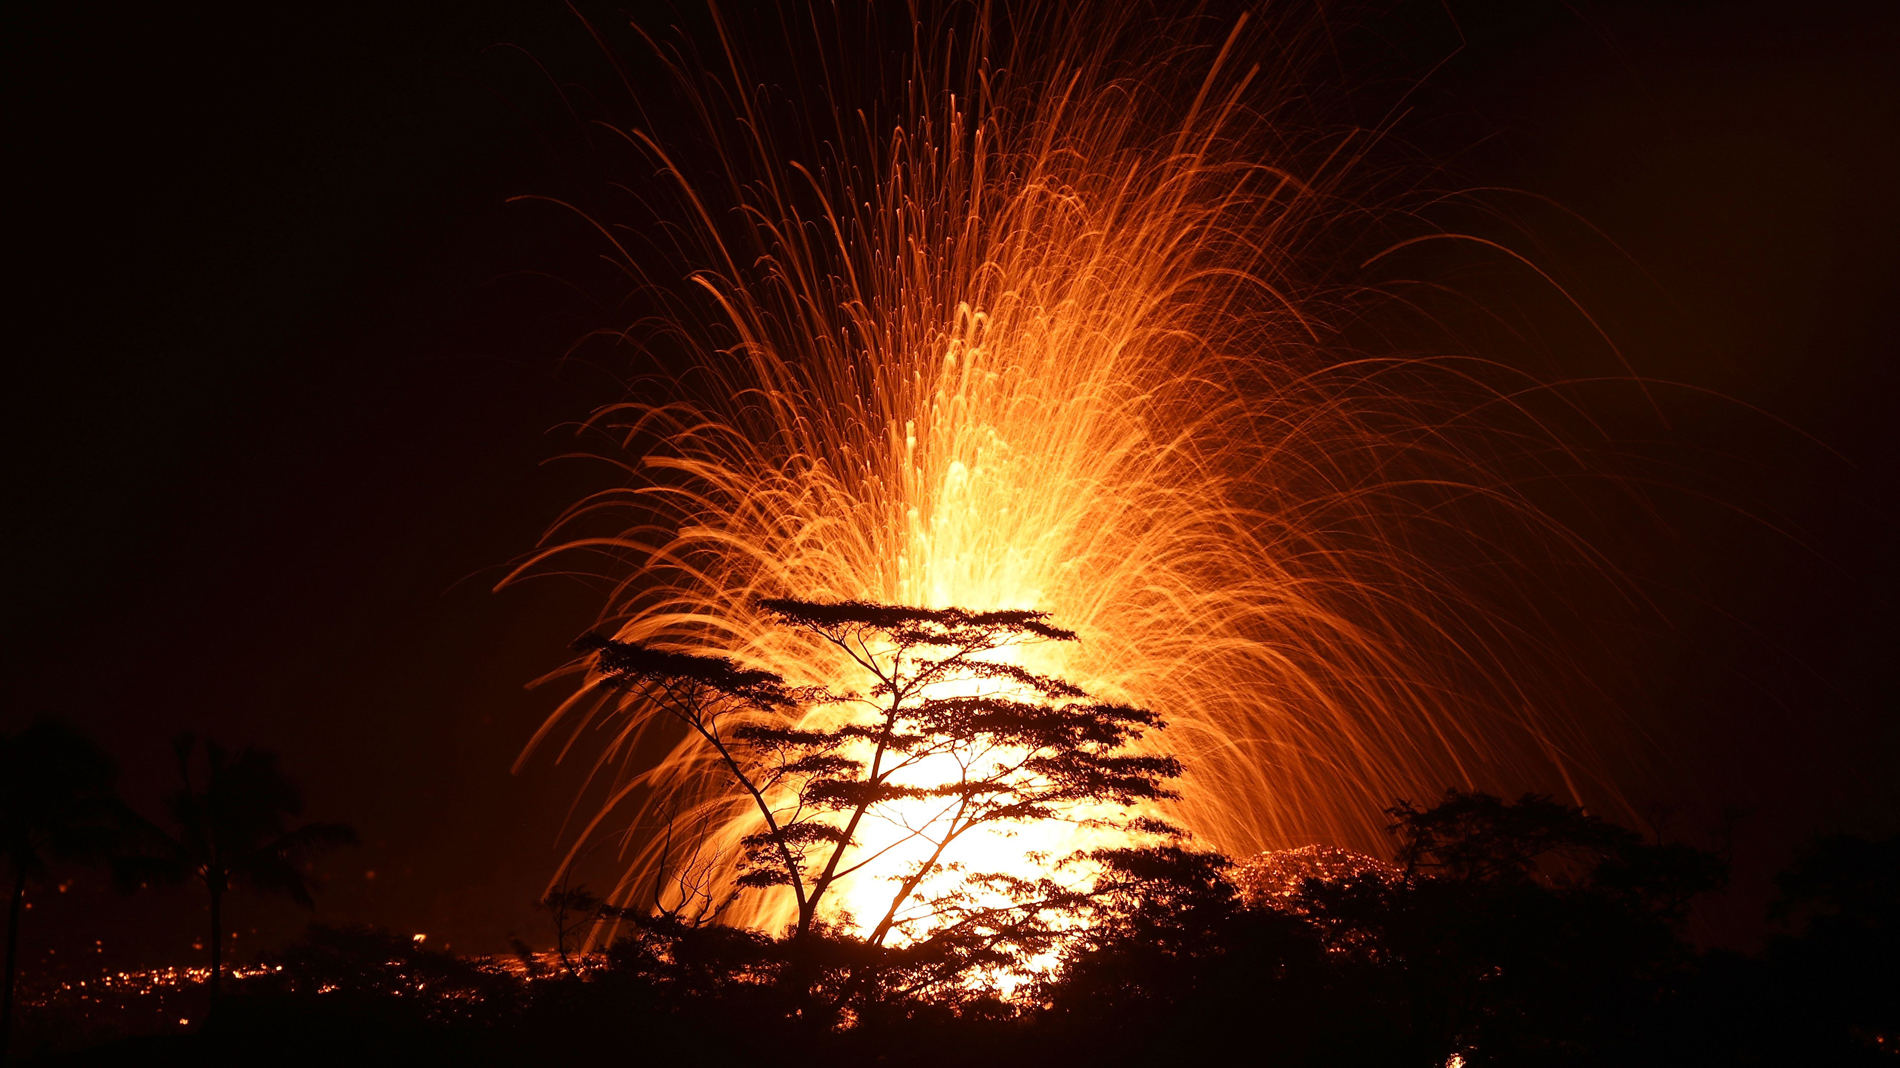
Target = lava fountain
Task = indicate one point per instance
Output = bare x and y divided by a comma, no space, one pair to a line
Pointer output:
1047,323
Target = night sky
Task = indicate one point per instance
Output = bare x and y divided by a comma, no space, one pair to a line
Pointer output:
284,368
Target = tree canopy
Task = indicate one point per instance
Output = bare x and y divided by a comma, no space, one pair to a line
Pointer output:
57,803
230,829
942,735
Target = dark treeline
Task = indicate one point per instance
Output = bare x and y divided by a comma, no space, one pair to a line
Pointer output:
1523,932
1506,933
224,827
1500,933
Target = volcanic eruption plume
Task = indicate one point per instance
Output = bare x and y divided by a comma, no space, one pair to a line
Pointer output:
1051,312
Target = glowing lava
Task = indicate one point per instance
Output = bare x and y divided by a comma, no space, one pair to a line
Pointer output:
1051,336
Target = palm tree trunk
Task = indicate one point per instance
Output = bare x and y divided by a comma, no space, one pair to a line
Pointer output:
217,944
13,961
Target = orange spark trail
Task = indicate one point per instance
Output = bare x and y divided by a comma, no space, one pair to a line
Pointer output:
1047,332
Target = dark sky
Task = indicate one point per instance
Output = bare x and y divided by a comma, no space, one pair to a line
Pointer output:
284,369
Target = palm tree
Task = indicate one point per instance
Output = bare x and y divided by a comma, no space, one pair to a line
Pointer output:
231,830
56,803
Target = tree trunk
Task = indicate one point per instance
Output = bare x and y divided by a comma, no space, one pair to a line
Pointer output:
217,943
560,934
13,962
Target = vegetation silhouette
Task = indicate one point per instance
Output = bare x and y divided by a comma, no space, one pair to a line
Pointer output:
1825,991
1516,932
57,803
229,830
949,739
1840,903
575,910
1503,933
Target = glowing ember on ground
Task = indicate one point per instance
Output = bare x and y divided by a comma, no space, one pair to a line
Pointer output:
1274,878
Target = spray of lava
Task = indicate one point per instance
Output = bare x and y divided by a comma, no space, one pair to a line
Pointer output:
1042,327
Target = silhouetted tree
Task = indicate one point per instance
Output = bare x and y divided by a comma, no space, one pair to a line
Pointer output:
1176,967
230,830
573,909
1838,961
56,803
1525,933
996,744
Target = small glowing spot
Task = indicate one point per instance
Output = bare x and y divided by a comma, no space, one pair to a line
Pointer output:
184,1021
419,937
